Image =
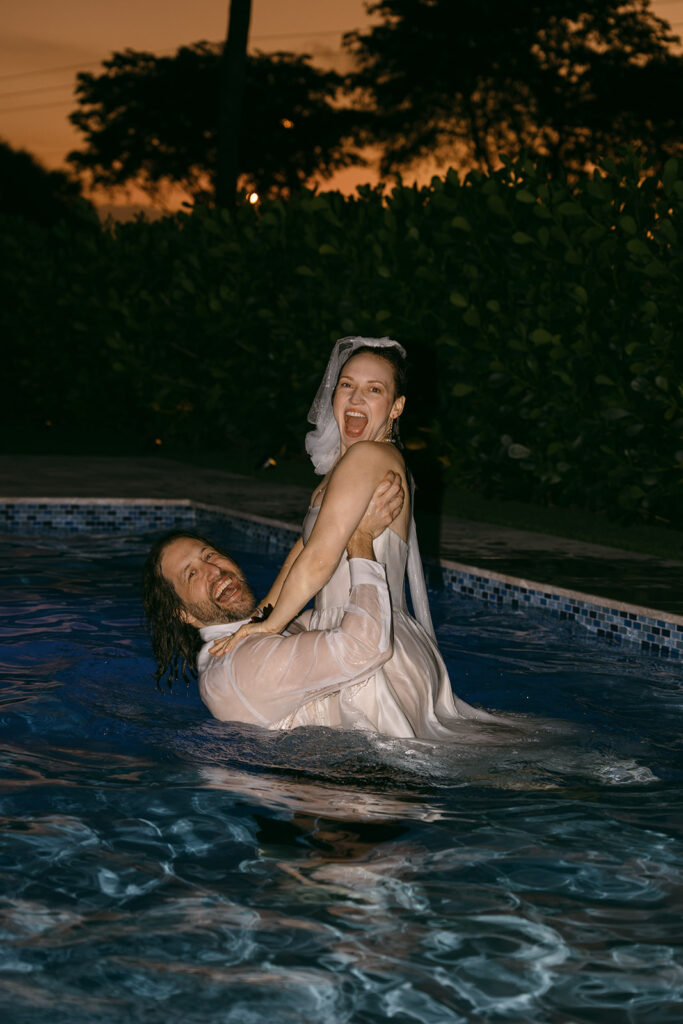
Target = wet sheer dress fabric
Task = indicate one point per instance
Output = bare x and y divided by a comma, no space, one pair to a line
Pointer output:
411,695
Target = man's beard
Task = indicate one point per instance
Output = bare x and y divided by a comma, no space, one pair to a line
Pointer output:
212,613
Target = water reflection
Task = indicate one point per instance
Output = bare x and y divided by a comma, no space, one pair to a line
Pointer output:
315,800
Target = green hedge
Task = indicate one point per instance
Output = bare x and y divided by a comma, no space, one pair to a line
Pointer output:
542,321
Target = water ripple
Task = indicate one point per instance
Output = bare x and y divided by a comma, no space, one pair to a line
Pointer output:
159,865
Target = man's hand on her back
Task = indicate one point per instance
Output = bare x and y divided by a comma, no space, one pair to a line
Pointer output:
385,504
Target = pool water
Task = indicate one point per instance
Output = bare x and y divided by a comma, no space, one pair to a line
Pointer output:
158,865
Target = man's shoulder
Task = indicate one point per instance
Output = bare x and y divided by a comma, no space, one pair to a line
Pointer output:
218,629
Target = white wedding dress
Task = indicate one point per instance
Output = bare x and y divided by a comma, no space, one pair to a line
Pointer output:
411,695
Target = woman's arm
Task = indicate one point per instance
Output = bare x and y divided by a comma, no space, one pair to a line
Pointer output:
276,586
347,496
347,501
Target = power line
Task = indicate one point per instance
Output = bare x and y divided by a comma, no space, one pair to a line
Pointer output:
56,88
299,35
32,106
29,92
51,71
96,63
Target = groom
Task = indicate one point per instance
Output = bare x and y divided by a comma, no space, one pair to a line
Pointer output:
193,593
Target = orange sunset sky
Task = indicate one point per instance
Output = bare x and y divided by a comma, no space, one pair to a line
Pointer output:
44,43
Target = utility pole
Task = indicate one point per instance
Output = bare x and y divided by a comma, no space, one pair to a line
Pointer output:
231,101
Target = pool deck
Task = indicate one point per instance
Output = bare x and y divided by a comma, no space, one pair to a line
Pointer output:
622,576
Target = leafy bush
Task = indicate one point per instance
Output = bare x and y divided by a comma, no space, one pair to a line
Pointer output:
541,321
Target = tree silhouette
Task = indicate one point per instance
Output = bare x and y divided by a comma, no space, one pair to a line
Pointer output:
30,191
570,80
155,120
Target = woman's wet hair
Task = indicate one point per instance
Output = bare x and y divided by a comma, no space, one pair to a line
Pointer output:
175,643
390,354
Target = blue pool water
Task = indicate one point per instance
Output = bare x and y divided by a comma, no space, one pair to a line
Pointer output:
158,865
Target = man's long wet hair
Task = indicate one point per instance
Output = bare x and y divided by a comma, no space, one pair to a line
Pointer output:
174,642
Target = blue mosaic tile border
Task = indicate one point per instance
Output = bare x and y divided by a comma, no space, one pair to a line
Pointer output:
269,532
655,633
93,516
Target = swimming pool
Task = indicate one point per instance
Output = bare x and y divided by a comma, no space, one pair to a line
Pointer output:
160,865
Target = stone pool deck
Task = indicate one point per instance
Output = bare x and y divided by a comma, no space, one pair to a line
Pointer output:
621,576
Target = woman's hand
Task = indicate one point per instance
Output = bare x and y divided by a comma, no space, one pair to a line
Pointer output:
226,643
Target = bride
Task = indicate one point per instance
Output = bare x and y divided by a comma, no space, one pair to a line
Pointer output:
356,413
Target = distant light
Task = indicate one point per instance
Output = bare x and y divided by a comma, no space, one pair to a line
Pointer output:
286,123
157,440
253,198
48,423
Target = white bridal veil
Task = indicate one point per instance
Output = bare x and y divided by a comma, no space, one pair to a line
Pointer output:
323,442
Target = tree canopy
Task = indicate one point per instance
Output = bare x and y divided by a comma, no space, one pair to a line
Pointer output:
465,81
571,80
29,190
155,119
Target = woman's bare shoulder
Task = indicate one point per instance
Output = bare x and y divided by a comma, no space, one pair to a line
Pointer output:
373,453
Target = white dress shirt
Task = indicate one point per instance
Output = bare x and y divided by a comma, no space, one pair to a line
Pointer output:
268,679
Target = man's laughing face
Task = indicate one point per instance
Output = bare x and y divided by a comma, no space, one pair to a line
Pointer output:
210,585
